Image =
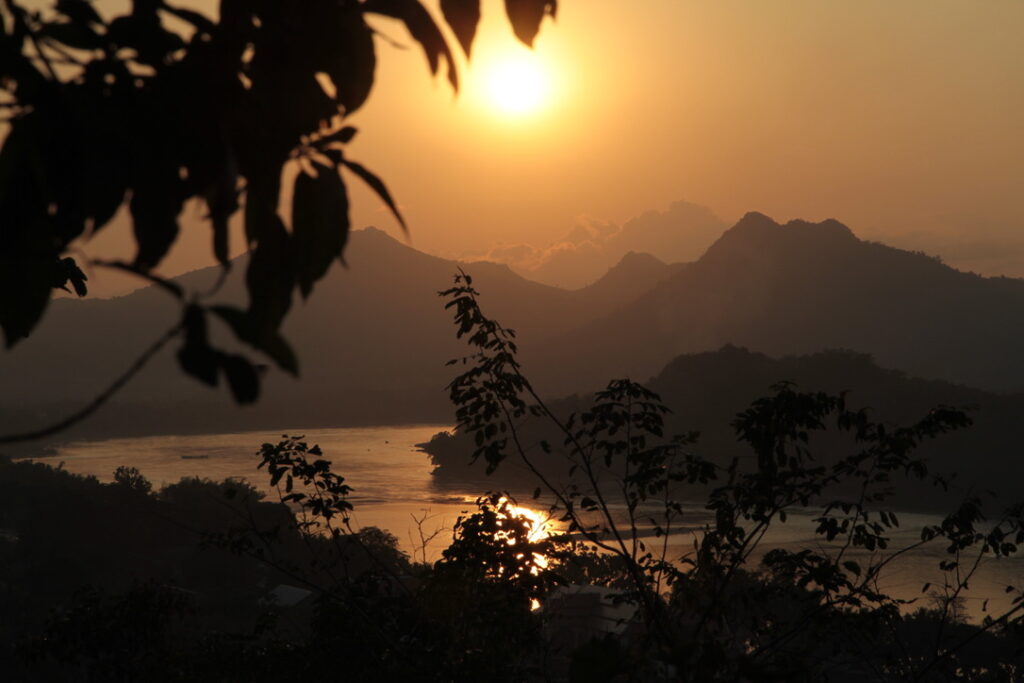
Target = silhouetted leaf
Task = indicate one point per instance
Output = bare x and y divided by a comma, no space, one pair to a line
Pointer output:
79,11
25,286
196,357
154,206
462,16
104,188
68,271
195,18
221,195
353,60
422,28
220,239
319,224
526,16
270,277
344,135
270,343
243,379
143,32
73,34
378,186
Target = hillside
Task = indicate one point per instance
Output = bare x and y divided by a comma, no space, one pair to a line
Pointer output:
799,288
372,343
705,391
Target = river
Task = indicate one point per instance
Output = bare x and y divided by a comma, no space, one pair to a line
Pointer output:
393,488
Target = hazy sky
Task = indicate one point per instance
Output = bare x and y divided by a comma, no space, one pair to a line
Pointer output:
901,118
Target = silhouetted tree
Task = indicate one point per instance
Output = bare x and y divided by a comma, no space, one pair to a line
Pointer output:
621,485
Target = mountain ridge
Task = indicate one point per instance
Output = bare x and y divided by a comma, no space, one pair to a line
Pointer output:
372,343
802,287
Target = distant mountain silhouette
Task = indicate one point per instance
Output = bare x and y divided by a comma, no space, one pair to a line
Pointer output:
632,276
706,390
799,288
372,344
677,235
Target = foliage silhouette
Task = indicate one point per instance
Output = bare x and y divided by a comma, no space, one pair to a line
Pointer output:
710,615
463,619
107,111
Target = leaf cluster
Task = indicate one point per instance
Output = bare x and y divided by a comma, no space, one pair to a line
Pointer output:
163,106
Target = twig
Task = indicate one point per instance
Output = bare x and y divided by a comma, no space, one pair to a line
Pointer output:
102,398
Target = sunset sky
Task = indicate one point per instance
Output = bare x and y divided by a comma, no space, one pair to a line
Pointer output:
901,119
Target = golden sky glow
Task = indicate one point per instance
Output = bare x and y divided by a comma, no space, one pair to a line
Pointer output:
901,119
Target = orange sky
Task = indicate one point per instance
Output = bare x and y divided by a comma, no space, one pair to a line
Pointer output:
901,119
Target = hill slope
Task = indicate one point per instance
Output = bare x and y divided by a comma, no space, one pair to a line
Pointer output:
372,343
705,391
800,288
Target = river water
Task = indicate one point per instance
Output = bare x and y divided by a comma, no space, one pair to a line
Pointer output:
393,489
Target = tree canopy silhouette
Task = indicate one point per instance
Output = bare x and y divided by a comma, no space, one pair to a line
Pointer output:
107,111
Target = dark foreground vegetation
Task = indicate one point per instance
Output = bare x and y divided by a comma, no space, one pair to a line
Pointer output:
208,581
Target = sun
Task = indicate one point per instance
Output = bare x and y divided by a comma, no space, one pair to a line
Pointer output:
517,84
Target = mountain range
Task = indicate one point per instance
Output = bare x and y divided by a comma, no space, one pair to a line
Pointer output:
803,287
372,344
374,338
679,234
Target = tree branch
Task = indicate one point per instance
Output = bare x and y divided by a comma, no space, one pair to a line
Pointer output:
100,399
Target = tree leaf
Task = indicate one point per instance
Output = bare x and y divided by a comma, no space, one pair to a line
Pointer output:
76,35
220,239
352,58
462,16
270,277
270,343
196,357
68,271
422,28
378,186
221,196
243,379
319,224
155,205
25,287
201,22
79,11
526,16
343,136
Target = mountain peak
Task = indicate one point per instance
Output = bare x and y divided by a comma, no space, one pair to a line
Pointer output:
372,232
756,232
828,228
755,220
633,260
634,274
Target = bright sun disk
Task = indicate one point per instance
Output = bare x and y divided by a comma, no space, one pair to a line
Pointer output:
517,85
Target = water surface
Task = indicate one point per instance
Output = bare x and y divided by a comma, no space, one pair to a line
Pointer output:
393,488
